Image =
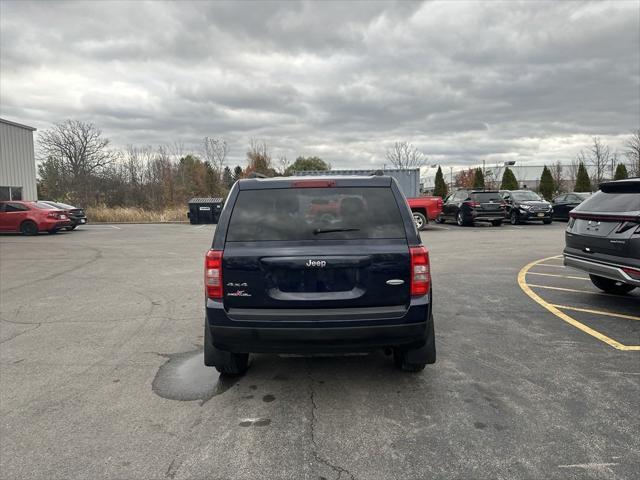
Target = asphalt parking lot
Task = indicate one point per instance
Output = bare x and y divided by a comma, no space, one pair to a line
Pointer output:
101,372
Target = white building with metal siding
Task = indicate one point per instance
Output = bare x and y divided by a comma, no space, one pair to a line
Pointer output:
17,162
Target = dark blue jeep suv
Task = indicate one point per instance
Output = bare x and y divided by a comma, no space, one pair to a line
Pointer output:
311,265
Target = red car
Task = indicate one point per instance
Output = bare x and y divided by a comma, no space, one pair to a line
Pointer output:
29,218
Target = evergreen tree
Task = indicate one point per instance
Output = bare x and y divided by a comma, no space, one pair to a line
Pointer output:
478,180
440,189
583,184
509,181
237,173
546,184
621,172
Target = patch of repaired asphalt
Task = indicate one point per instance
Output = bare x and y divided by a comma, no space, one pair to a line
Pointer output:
184,377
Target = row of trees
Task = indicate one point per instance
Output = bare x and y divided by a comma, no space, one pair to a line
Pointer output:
78,166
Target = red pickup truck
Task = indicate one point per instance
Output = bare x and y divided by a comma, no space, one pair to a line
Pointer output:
424,209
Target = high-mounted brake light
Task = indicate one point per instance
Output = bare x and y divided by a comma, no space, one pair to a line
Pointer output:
420,272
313,184
213,274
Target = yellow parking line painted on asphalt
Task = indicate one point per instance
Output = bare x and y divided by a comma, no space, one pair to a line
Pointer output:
596,312
549,265
563,316
559,276
592,292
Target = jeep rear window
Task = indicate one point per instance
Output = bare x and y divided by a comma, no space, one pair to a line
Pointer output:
486,197
315,214
601,202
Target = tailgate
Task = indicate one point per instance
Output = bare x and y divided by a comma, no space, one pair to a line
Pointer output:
363,273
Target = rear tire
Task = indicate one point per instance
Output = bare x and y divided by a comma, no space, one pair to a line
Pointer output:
460,220
611,286
496,223
420,220
514,218
227,363
29,228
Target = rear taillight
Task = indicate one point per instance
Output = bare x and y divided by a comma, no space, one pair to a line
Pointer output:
624,226
420,274
213,274
632,272
52,215
472,204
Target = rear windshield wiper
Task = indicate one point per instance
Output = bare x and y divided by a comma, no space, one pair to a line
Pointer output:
332,230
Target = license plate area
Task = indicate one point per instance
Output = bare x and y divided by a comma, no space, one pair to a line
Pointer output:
313,281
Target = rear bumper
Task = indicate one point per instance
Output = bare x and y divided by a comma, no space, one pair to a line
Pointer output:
487,217
56,225
318,336
607,270
531,216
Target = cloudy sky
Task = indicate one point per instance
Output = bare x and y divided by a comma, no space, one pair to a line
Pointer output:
463,81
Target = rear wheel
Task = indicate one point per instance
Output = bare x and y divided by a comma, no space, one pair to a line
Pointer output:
420,220
460,219
611,286
514,218
29,228
227,363
496,223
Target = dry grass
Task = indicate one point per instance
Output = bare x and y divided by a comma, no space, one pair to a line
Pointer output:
135,215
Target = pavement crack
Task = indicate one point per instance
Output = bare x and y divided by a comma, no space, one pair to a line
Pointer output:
37,325
314,420
172,470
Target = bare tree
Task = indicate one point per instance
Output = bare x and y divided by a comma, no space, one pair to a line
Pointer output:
80,146
557,172
82,154
404,155
284,164
632,152
215,152
259,158
599,158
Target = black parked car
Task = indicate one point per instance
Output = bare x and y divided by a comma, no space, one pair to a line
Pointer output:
564,203
603,236
525,205
468,206
76,215
281,279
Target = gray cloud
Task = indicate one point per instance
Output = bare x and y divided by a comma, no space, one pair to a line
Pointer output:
465,82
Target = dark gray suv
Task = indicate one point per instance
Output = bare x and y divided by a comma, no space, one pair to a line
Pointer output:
603,236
